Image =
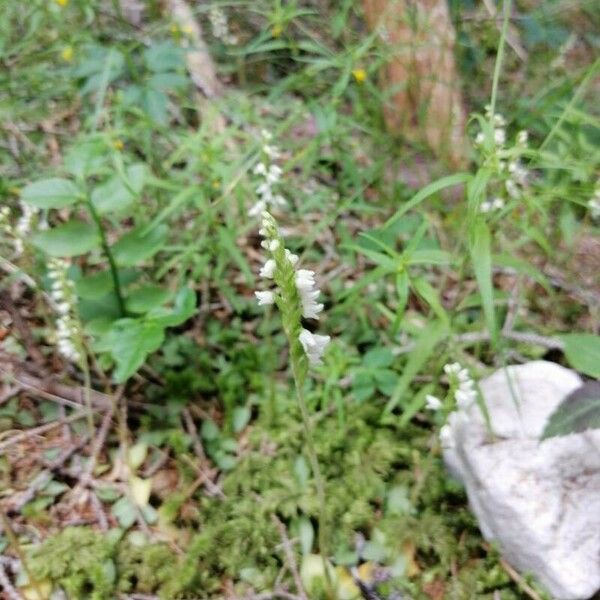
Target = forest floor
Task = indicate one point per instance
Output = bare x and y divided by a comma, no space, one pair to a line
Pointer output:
192,479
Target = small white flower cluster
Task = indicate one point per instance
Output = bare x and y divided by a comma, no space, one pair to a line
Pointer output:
24,225
271,174
220,26
5,225
499,129
63,294
509,168
465,393
492,205
594,203
464,396
304,280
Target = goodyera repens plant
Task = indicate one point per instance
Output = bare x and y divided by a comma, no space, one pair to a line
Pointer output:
295,294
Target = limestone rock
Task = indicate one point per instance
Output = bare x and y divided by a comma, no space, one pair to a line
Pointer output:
540,501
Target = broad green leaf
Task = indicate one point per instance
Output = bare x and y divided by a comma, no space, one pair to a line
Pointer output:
87,157
117,194
583,352
164,56
183,308
101,283
481,256
94,286
69,239
378,358
50,193
130,342
139,245
146,298
579,411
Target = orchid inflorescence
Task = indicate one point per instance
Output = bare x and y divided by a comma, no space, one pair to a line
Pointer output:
295,293
461,396
504,160
270,174
22,229
68,328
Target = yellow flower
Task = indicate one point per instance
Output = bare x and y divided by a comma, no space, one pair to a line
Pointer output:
277,30
174,29
67,53
216,185
187,29
62,3
118,144
359,75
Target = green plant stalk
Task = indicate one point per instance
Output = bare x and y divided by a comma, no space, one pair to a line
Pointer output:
109,255
316,469
87,386
507,4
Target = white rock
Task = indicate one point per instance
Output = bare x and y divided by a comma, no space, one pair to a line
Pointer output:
540,501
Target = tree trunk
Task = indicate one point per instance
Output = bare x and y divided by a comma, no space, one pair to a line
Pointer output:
423,97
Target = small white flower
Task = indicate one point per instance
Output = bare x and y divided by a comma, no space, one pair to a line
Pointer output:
314,345
292,258
594,207
432,402
268,269
512,189
499,136
257,209
522,137
265,298
446,437
479,138
452,368
305,279
260,169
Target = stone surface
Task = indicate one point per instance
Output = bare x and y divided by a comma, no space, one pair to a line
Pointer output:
540,501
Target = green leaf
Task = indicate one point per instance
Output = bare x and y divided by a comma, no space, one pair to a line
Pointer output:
241,418
430,295
139,245
579,411
378,358
427,191
117,194
424,347
101,283
183,308
69,239
583,352
146,298
130,341
481,256
50,193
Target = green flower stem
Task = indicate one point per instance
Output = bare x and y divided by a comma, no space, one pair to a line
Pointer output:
316,469
109,256
87,386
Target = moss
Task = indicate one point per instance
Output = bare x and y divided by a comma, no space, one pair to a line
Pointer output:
236,539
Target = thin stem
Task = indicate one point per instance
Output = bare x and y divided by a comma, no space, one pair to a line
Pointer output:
109,256
498,66
87,386
314,463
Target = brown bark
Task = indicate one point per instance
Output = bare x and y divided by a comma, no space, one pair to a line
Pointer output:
424,102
